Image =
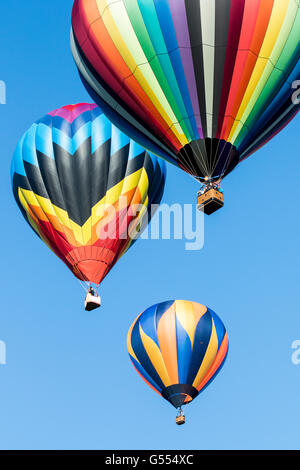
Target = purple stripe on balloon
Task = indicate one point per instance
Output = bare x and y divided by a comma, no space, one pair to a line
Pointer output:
177,8
70,113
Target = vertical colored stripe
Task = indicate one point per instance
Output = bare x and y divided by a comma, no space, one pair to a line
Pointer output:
166,334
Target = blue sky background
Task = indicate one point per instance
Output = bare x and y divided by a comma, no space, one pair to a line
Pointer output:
68,382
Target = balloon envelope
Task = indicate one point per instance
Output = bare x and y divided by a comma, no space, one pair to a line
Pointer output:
84,187
202,83
178,347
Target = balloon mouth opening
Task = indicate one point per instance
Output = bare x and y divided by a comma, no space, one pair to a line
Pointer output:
179,394
90,270
208,159
91,263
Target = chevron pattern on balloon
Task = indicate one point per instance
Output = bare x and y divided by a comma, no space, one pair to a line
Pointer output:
68,169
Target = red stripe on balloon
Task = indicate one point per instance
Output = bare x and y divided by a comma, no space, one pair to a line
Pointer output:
235,25
102,54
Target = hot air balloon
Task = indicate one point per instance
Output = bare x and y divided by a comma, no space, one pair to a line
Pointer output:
86,189
178,347
201,83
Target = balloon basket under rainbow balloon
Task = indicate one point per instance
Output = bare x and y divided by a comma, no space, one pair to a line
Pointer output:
210,201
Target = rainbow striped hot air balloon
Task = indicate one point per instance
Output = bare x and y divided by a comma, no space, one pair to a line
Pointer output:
79,181
178,347
201,83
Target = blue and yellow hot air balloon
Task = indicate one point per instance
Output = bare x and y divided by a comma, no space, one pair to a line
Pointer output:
178,347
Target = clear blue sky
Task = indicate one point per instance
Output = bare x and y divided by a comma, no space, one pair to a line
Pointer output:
68,382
